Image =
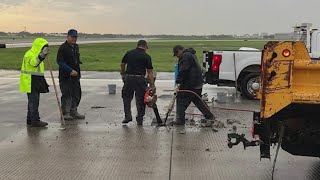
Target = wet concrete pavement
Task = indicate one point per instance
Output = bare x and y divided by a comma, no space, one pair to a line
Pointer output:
100,147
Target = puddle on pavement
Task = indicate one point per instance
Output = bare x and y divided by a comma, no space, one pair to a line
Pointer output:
227,98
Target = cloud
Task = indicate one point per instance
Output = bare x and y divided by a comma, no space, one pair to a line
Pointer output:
53,16
157,17
10,3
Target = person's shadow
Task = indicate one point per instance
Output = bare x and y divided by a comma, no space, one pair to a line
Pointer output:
34,132
35,137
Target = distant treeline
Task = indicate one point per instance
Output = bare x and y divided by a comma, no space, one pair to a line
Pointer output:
162,36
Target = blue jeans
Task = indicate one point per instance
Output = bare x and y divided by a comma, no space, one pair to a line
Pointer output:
33,107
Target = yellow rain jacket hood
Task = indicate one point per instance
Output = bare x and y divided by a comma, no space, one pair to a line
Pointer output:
31,65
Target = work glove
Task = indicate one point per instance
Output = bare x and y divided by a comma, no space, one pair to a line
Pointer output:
178,81
44,52
177,87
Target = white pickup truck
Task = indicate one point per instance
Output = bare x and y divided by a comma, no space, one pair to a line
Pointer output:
224,67
241,68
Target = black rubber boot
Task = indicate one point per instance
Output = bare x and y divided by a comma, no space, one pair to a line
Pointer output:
126,121
76,115
38,124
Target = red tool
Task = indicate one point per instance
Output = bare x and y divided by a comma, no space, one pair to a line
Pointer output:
150,100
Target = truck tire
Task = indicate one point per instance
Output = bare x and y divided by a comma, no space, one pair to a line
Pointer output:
246,85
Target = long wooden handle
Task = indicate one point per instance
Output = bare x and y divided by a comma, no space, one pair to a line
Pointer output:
171,106
56,92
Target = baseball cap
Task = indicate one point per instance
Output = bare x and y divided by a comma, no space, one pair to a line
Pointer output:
73,32
176,48
142,43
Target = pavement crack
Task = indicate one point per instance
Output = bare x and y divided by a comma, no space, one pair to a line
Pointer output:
170,167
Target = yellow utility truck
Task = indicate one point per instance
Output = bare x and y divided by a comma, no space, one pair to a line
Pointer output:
289,100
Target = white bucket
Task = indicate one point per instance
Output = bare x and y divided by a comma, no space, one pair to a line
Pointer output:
112,88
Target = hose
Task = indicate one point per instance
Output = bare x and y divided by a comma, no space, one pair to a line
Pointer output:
232,109
188,91
174,98
228,109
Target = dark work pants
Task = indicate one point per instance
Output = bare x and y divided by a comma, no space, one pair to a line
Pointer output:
184,100
137,86
71,95
33,107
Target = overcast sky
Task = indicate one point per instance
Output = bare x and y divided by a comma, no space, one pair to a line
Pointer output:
158,17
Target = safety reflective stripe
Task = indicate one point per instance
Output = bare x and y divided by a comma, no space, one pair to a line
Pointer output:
39,70
32,73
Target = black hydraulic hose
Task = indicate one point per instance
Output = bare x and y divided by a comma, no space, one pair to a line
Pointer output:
232,109
229,109
173,100
188,91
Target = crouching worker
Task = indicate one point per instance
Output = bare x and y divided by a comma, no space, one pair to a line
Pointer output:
32,79
189,79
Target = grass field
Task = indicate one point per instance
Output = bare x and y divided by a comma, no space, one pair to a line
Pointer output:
107,56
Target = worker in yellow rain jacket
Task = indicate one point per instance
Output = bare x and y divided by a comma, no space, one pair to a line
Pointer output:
32,79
